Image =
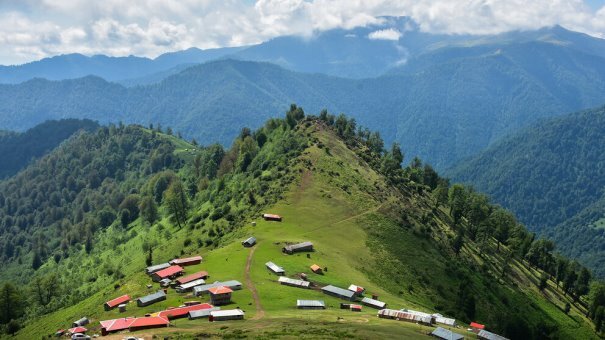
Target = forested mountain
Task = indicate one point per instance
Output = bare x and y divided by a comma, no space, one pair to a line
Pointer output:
442,113
552,175
18,149
76,65
80,224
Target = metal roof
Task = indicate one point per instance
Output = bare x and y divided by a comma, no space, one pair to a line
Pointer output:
299,245
149,321
182,311
310,303
191,284
166,272
275,268
203,313
191,277
187,260
152,297
301,283
339,291
443,320
220,290
489,335
117,301
372,302
227,312
155,268
233,284
250,240
446,334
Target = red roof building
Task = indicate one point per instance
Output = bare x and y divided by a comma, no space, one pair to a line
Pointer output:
168,273
77,330
187,261
148,322
192,277
115,325
182,312
116,302
477,326
220,295
272,217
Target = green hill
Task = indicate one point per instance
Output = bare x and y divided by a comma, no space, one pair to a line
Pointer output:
391,230
552,176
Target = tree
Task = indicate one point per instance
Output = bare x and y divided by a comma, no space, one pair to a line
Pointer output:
125,218
440,194
567,308
457,201
397,153
561,269
582,285
11,303
543,281
570,281
176,201
148,209
598,318
458,242
36,260
294,115
13,327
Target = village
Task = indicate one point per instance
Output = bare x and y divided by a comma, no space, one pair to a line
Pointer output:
214,301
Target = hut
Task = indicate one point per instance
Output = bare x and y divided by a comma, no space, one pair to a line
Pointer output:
111,304
233,284
151,298
78,329
286,281
148,322
189,261
443,320
485,335
373,303
446,334
299,247
165,283
355,308
115,325
182,312
167,273
186,287
152,269
339,292
275,268
310,304
192,277
202,313
224,315
82,322
316,269
220,295
272,217
476,327
404,316
249,242
122,308
357,289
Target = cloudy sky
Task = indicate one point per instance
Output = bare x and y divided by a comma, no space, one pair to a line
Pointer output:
30,29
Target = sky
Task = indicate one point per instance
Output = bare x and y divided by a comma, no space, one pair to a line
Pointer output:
31,30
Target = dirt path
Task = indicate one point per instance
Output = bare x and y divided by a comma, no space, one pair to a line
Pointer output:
260,312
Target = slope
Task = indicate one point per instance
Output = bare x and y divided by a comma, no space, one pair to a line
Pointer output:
388,237
17,149
548,174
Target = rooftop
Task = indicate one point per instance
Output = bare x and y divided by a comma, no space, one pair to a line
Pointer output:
338,291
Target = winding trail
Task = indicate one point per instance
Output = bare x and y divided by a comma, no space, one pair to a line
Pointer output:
260,312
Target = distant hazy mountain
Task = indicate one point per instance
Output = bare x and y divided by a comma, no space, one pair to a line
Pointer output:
75,65
443,113
552,175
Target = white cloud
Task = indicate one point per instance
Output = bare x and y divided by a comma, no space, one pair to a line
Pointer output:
385,34
31,29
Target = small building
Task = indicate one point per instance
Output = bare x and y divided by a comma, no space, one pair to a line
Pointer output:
446,334
200,290
224,315
220,295
189,261
186,287
82,322
151,298
272,217
249,242
167,273
310,304
122,308
299,247
339,292
152,269
373,303
202,313
355,308
477,327
404,316
78,329
357,289
192,277
111,304
182,312
115,325
443,320
316,269
485,335
147,323
165,283
293,282
275,268
420,314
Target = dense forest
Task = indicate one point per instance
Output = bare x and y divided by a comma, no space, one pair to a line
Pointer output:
18,149
73,209
552,176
